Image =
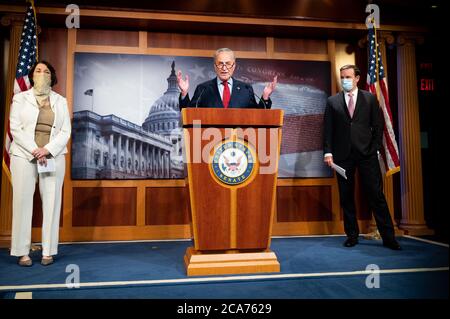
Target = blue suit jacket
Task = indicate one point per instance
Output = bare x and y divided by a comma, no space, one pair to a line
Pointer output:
207,95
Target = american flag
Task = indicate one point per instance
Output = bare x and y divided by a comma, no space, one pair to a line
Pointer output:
27,57
377,85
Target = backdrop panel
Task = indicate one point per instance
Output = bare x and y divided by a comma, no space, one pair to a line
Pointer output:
127,120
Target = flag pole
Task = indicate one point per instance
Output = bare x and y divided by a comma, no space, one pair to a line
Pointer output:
36,29
377,67
375,233
387,183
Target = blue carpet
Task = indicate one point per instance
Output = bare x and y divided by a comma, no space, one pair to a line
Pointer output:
164,260
418,285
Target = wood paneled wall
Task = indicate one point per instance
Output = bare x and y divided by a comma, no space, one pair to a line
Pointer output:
157,209
104,206
205,42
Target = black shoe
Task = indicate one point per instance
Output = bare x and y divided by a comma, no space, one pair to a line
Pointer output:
350,242
392,244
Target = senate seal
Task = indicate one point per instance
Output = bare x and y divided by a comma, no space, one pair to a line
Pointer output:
233,162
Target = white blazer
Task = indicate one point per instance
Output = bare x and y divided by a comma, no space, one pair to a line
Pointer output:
23,118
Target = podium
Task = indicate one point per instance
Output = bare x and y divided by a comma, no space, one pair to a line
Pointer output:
232,162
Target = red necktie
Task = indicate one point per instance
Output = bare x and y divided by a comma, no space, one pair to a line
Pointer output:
226,94
351,105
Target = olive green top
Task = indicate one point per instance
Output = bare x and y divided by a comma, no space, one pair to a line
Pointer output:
44,124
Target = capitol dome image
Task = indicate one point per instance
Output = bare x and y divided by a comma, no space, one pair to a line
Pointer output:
164,116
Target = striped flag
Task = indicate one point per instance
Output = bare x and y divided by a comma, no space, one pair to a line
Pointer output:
27,57
377,85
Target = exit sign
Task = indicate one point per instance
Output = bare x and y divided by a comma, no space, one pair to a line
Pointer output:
427,84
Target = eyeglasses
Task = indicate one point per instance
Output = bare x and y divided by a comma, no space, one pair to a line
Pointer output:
227,65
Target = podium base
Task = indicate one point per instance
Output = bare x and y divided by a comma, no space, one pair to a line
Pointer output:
204,264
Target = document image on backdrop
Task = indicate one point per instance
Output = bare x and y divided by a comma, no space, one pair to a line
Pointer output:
339,170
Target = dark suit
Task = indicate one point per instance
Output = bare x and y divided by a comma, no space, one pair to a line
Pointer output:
207,95
354,143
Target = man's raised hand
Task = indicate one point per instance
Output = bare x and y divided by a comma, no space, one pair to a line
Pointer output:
183,84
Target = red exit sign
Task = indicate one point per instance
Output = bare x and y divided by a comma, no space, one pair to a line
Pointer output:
427,84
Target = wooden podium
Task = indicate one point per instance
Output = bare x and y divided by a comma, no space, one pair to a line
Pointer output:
232,162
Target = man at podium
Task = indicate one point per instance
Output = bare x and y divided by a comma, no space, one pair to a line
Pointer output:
224,91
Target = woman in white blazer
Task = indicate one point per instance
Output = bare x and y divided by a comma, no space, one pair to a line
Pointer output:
40,126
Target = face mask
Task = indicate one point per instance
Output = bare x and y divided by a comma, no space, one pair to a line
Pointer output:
42,83
41,86
347,84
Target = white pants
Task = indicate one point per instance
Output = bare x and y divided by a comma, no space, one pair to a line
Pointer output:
24,175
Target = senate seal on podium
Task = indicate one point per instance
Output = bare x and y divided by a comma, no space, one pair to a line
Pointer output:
233,162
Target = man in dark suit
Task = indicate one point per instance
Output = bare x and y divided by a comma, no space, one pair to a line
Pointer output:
353,129
224,91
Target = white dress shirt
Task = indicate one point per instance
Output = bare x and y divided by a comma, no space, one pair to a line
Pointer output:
220,86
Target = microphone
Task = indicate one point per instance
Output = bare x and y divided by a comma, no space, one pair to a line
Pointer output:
248,87
198,99
261,99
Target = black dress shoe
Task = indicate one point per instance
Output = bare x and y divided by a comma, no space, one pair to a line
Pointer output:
350,242
392,244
